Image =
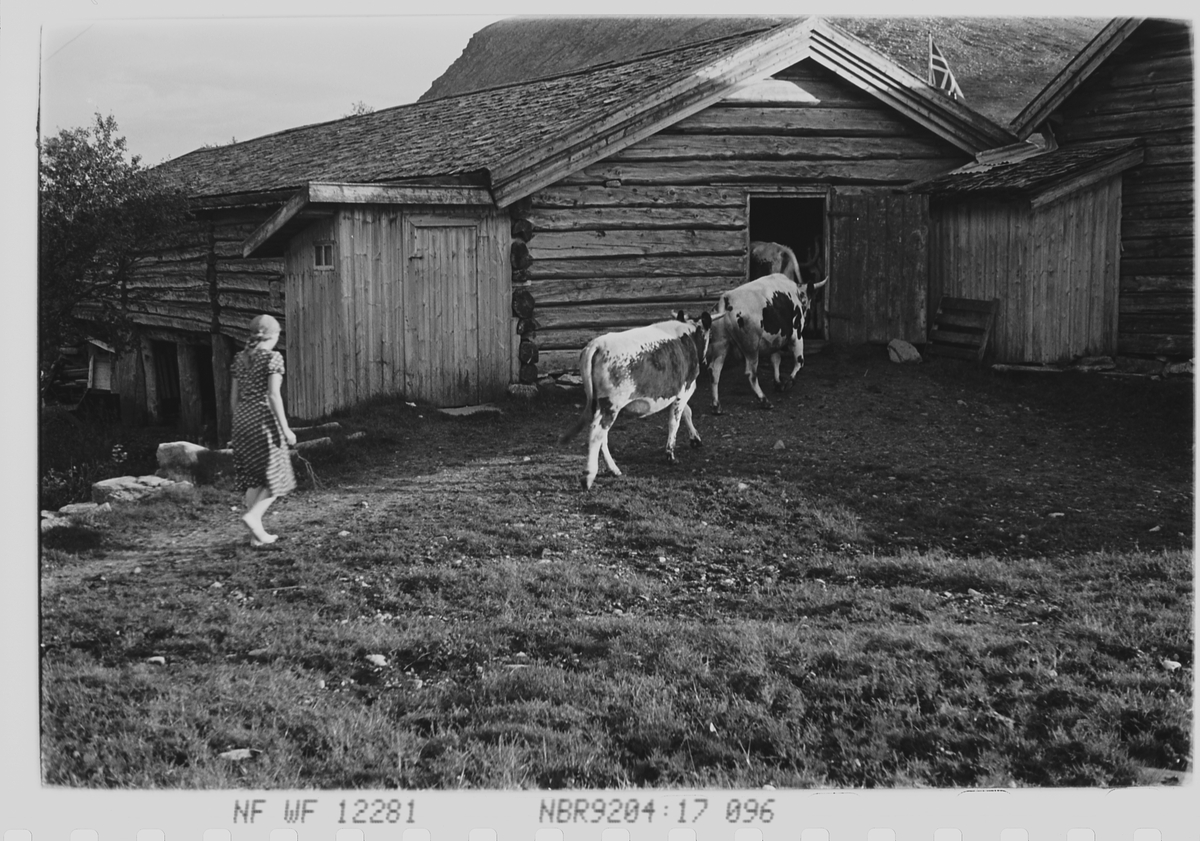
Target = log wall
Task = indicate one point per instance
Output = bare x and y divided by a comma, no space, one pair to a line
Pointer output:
663,224
197,289
1146,90
1053,269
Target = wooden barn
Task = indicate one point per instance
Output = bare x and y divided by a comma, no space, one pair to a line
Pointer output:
445,249
1038,232
1134,81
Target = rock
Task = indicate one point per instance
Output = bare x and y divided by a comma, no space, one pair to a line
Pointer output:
183,461
84,508
521,391
376,660
135,488
157,661
901,351
779,445
314,444
237,754
354,436
570,379
1178,369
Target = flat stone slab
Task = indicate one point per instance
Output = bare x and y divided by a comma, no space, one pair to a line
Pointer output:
467,411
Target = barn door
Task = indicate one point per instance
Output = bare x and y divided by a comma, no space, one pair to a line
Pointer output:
879,267
441,317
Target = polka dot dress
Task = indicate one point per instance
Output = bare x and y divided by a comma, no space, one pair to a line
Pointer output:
260,454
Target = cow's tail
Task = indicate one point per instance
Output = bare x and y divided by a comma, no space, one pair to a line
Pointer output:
585,373
791,266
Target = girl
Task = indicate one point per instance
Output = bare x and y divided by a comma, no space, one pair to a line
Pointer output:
261,435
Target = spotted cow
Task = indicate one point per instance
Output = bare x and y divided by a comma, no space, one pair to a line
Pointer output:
765,315
772,258
644,370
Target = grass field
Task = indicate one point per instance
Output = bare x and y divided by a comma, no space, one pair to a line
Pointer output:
902,577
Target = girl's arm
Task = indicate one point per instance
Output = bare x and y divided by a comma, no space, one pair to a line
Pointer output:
275,401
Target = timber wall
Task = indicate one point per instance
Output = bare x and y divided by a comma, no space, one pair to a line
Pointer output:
1053,269
417,303
1145,90
662,225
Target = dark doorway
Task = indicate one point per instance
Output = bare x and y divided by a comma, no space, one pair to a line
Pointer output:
166,381
798,223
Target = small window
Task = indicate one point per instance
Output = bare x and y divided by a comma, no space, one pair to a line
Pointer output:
323,255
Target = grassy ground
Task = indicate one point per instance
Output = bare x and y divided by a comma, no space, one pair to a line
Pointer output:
903,576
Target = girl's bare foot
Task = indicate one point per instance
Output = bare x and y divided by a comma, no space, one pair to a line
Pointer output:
258,535
270,538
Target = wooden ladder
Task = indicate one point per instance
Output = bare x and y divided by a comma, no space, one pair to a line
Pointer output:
961,328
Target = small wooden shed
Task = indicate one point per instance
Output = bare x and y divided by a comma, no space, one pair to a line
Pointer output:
1039,232
1136,81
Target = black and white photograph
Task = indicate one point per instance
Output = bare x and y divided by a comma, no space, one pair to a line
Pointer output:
653,403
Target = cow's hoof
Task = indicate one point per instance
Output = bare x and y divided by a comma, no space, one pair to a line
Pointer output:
716,410
671,457
696,443
585,483
765,404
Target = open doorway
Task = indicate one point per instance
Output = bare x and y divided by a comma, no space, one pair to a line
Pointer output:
798,223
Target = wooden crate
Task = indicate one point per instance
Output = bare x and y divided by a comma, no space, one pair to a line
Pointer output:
961,328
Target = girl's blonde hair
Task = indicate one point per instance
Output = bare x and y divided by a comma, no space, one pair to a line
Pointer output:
262,327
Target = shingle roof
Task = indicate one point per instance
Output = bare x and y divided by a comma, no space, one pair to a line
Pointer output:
455,136
1024,175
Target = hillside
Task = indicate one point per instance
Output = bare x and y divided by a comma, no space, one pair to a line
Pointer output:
1000,63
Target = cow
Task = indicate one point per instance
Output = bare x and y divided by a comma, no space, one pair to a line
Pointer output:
765,315
772,258
644,370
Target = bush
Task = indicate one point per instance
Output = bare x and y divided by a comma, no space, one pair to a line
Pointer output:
73,456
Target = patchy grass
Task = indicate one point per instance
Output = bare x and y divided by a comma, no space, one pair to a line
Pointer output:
889,599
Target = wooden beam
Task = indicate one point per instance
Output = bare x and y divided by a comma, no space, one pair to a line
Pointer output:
191,416
273,225
1074,74
341,193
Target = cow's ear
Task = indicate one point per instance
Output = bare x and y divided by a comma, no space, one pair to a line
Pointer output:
679,316
706,320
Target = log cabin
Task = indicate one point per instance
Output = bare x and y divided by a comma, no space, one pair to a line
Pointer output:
446,249
1135,81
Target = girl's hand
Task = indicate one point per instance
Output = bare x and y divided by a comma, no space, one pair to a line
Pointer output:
290,437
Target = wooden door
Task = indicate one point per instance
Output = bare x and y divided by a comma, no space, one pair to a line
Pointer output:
441,315
879,267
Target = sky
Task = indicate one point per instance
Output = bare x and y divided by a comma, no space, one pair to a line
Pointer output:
179,85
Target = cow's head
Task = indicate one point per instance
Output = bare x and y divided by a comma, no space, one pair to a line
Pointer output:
701,331
808,292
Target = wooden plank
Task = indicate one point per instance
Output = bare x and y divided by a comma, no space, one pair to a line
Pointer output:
620,289
345,193
1146,94
1110,169
743,147
553,245
810,122
1156,283
606,316
651,266
748,172
275,223
222,362
191,417
559,196
967,304
798,90
636,218
1156,344
558,361
1125,124
970,339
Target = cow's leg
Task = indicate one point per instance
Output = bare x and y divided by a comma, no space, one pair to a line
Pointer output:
752,375
694,436
673,416
776,358
798,352
602,422
714,368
